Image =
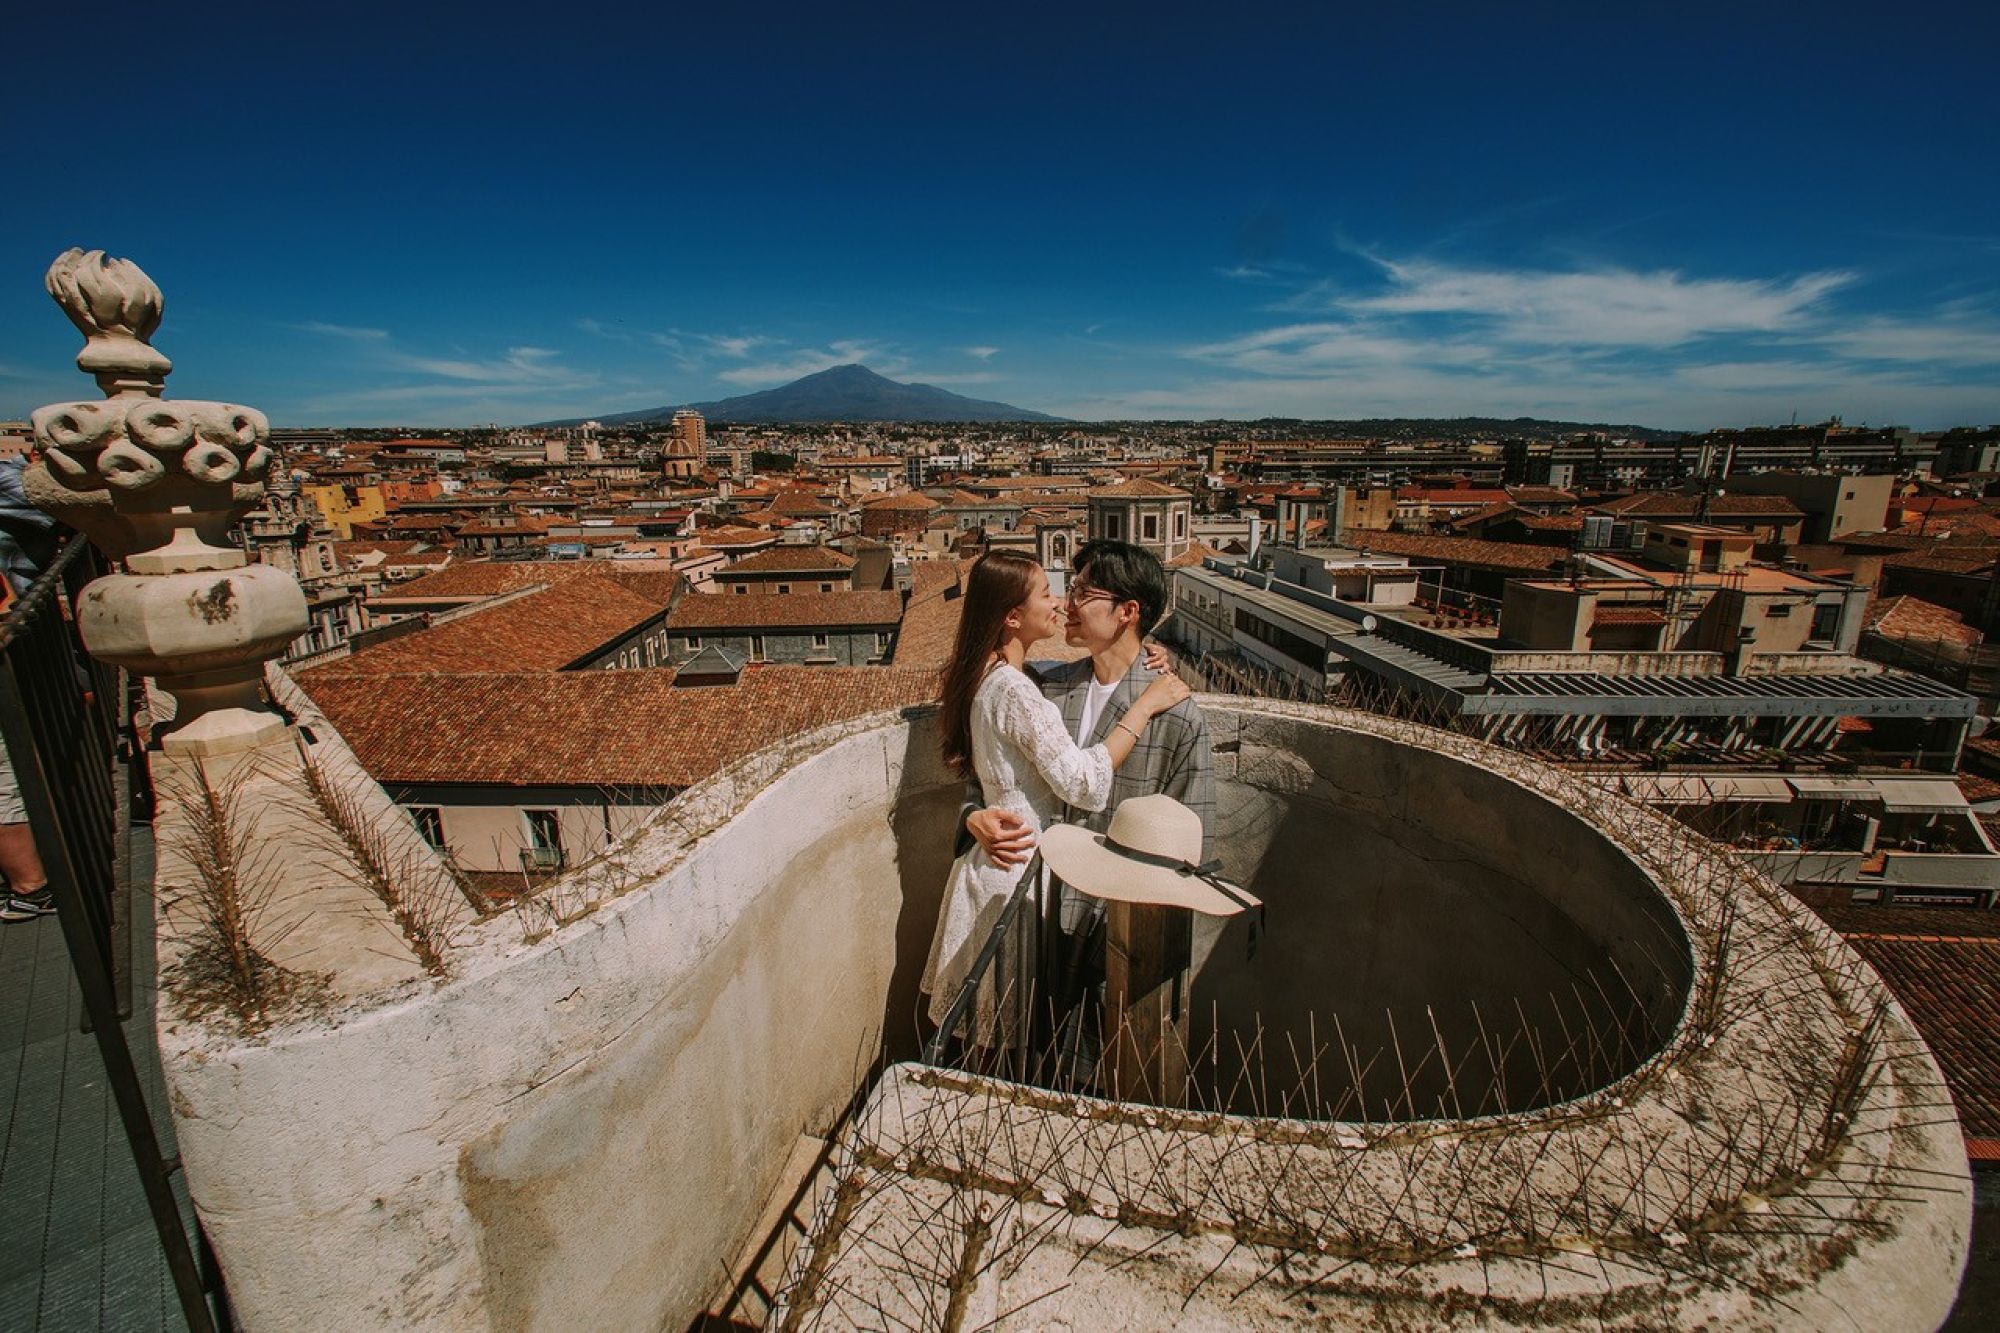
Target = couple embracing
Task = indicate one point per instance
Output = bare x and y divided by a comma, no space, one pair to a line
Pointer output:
1068,744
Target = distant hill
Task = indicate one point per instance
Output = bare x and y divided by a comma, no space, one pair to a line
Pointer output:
844,393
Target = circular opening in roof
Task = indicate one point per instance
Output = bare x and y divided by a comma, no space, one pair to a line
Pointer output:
1439,942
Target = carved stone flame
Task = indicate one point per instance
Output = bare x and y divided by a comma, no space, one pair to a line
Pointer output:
117,308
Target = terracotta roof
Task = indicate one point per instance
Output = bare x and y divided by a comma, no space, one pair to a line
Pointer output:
1452,495
1509,556
1196,552
591,728
799,504
544,631
1978,525
490,578
785,559
1976,787
706,611
1967,560
1934,504
1486,513
1627,615
375,548
1943,963
967,500
1541,495
725,538
1915,618
1673,504
1032,483
1139,489
902,500
529,525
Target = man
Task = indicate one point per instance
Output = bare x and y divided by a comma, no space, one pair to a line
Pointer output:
1117,592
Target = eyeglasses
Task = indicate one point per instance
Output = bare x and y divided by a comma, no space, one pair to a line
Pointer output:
1078,596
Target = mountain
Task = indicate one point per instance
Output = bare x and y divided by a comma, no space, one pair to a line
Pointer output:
844,393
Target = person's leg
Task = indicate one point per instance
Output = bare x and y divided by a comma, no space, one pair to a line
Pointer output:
27,893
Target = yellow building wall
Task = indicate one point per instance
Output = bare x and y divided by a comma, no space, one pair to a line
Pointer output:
341,513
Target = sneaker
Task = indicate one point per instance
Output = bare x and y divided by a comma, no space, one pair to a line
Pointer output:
27,906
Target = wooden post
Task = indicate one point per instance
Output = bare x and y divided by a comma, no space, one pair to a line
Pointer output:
1146,957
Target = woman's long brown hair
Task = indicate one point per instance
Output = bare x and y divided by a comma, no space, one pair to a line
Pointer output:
999,582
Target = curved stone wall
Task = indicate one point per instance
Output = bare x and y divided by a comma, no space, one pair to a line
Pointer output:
582,1130
1476,946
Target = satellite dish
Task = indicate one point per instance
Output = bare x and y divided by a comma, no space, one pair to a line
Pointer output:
1367,624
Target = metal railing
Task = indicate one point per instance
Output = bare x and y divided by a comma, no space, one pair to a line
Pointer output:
60,712
1032,1009
1020,1013
63,720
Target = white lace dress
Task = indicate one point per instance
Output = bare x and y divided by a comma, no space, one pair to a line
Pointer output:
1028,763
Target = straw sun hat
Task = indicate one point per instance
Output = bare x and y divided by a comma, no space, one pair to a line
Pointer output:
1150,854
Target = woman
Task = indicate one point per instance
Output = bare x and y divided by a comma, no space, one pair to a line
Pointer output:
999,727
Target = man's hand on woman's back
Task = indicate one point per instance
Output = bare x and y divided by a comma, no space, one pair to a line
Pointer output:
1002,834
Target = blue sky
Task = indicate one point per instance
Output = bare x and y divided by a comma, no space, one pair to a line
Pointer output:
1678,216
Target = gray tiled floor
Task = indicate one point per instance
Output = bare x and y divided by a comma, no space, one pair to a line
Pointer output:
77,1246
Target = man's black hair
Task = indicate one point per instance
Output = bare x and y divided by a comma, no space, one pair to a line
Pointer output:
1129,573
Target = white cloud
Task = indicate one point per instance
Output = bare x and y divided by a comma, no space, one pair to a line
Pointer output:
733,345
1953,340
805,361
597,328
949,376
519,365
326,330
1293,349
1605,307
1656,347
981,353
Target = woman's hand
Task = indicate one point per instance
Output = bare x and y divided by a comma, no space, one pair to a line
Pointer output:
1162,694
1158,660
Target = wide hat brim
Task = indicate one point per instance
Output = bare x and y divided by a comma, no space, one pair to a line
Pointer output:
1080,859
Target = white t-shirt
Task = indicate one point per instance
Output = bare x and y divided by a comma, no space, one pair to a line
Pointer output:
1093,708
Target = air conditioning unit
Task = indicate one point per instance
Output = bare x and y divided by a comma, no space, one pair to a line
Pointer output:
541,858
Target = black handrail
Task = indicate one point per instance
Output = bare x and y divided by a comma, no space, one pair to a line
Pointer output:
1028,896
60,718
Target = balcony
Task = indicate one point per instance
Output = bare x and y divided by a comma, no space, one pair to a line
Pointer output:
593,1120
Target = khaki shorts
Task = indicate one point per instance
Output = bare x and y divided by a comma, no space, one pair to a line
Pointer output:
12,809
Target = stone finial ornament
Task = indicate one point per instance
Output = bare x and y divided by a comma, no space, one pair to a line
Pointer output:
117,308
158,485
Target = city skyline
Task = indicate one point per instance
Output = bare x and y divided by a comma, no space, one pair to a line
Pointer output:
1682,222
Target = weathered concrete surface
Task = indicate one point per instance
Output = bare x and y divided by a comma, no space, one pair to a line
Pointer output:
581,1129
1787,1160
